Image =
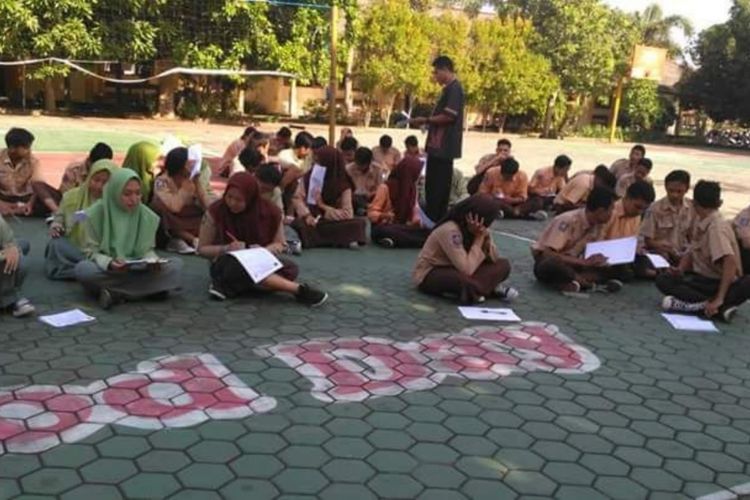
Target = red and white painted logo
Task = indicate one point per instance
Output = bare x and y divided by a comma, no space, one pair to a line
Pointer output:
354,369
170,391
185,390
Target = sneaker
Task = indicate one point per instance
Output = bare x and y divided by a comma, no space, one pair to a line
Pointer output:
387,243
572,287
539,215
481,299
726,314
215,293
614,286
353,245
673,304
49,220
294,247
178,245
507,293
310,296
23,308
500,215
106,299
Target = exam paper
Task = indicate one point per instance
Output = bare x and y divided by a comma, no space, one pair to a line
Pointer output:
258,262
195,156
619,251
690,323
67,318
657,261
139,262
489,314
316,184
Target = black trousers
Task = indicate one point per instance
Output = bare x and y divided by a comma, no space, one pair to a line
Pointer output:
553,271
228,274
438,181
745,254
694,288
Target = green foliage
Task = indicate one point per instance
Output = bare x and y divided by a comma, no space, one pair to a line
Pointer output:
513,80
450,35
641,104
720,86
656,30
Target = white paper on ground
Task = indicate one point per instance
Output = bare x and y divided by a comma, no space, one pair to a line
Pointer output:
195,156
691,323
67,318
258,262
657,261
489,314
317,177
138,262
619,251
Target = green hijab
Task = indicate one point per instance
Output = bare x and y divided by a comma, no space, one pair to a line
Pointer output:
79,199
122,234
140,159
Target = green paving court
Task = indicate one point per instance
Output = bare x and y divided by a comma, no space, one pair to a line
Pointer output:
665,415
656,413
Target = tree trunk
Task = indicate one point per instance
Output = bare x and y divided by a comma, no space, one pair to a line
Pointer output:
548,114
389,110
348,85
50,103
501,126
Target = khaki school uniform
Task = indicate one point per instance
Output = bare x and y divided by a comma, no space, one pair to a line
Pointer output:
568,234
74,175
496,185
713,238
178,207
544,182
741,225
621,225
229,162
663,223
16,180
288,158
627,180
486,162
388,159
365,182
576,191
621,167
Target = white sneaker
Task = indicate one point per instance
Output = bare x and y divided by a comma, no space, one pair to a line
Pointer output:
539,215
178,245
507,293
22,308
673,304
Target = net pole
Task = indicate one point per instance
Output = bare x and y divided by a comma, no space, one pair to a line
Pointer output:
332,84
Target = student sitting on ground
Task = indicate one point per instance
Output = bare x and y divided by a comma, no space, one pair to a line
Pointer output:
458,188
326,218
243,219
366,176
511,188
180,202
385,154
627,165
13,270
546,183
281,141
67,231
227,164
709,279
143,158
460,259
348,148
295,163
77,172
742,230
559,252
393,212
626,216
486,162
574,194
121,230
345,132
641,173
412,148
21,191
668,224
269,178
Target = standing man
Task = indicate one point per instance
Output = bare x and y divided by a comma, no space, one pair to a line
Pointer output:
444,138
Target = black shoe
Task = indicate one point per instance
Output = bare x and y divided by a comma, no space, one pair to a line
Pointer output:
387,243
216,293
726,314
310,296
107,299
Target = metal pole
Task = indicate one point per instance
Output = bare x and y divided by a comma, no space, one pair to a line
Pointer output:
616,110
333,80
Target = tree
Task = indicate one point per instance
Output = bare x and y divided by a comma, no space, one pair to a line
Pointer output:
514,80
656,30
642,106
720,85
450,35
578,38
394,56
